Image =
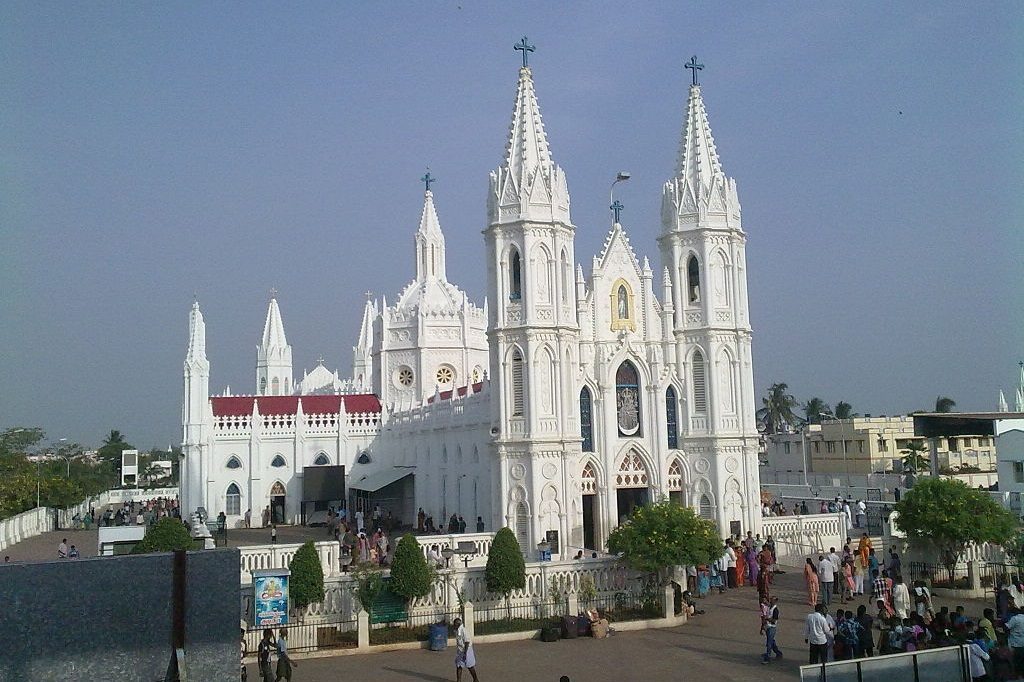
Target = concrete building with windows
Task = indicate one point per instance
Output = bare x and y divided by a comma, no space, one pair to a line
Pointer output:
871,445
555,407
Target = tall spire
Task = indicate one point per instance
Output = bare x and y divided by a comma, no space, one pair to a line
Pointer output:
1003,407
430,256
196,336
698,160
273,328
699,194
528,185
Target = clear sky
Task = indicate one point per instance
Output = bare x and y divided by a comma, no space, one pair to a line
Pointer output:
153,150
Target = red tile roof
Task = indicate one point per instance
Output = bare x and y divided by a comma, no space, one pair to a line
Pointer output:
446,395
289,404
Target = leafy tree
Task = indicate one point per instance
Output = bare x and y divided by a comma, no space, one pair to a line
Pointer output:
506,568
111,449
946,515
844,410
944,404
307,576
167,535
777,408
410,575
915,457
662,535
814,408
369,585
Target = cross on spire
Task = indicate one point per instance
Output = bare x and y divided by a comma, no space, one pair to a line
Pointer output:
692,64
368,294
427,179
526,49
320,360
616,208
273,292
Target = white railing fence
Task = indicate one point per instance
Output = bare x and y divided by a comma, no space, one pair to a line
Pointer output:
25,525
797,537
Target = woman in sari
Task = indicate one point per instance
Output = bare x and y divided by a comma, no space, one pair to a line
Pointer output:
811,578
741,563
864,547
752,565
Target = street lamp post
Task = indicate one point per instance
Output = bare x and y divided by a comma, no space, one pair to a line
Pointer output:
621,176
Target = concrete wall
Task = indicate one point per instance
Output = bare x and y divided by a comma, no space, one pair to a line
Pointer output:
109,618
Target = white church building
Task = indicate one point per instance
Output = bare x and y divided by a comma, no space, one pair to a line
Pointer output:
565,400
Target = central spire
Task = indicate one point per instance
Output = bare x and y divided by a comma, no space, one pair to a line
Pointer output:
528,185
430,257
273,327
196,336
698,159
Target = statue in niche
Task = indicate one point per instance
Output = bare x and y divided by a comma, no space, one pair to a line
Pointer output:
622,298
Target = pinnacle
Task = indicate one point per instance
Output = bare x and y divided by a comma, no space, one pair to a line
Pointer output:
273,327
698,158
527,146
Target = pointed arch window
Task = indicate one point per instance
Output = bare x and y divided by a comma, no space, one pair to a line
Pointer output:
278,461
706,509
233,501
627,399
322,459
671,418
275,386
263,385
515,276
693,280
587,419
234,463
518,395
566,271
700,387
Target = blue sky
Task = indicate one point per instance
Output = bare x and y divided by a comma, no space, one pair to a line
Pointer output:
151,151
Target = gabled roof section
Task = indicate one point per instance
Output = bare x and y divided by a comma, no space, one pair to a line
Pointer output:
698,159
273,327
617,242
527,147
232,406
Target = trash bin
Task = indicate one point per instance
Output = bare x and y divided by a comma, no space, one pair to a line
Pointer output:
438,636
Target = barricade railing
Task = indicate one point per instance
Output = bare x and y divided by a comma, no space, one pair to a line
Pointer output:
949,664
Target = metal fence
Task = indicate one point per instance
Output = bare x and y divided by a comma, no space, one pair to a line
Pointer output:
314,636
948,664
624,606
938,575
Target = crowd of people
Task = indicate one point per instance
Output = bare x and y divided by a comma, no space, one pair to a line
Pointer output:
130,513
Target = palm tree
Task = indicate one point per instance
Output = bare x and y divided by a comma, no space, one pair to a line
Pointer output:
914,457
115,438
844,410
944,404
814,408
777,410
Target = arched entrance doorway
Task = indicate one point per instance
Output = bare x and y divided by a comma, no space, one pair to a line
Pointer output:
632,485
588,487
277,500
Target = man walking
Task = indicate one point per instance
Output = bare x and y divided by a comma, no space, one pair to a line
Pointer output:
730,564
771,624
464,656
827,577
263,653
816,634
284,662
837,571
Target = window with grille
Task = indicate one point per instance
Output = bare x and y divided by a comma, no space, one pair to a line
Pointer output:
671,417
233,506
518,390
706,509
700,388
278,461
1018,472
515,277
234,463
627,399
587,420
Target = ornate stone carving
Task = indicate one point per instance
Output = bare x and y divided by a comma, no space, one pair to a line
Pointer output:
517,471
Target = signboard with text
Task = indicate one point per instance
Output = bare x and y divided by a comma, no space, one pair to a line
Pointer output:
270,597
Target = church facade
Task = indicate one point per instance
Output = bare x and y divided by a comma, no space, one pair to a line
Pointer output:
554,408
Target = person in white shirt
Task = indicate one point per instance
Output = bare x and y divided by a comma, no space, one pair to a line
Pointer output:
826,576
837,570
62,549
464,656
901,598
849,516
862,514
816,634
730,564
978,656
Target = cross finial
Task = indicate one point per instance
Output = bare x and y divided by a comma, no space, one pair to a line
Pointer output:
368,294
273,292
320,360
526,48
616,208
692,64
427,179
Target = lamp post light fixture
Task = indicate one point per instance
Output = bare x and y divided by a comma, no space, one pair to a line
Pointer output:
621,176
447,553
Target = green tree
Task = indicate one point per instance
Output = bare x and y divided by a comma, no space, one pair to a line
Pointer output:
946,515
662,535
814,408
944,404
166,535
915,457
111,450
369,585
844,410
410,575
777,409
506,568
307,576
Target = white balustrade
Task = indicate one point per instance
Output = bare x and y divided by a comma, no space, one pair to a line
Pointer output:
25,525
258,557
797,537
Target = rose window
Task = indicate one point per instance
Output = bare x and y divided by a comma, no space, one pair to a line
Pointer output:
445,375
405,376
